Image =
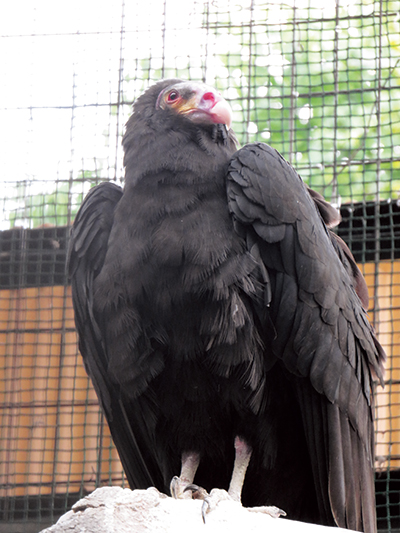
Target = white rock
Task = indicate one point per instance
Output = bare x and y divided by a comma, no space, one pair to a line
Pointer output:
117,510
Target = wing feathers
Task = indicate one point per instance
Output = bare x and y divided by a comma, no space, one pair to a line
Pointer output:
87,250
322,333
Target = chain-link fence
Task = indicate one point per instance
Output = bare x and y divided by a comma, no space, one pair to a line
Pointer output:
319,81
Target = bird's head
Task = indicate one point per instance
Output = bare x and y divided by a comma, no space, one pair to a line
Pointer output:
199,102
174,119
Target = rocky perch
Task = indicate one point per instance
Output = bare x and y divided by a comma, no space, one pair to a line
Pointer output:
117,510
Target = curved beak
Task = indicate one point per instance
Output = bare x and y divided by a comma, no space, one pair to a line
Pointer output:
213,104
207,105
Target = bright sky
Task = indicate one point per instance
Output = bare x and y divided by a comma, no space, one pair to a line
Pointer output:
60,64
59,55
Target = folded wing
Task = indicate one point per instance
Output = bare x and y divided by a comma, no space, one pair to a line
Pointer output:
322,334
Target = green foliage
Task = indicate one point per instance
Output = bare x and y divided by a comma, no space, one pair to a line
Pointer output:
321,87
57,207
316,90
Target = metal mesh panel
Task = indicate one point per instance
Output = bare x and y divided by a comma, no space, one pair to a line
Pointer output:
319,81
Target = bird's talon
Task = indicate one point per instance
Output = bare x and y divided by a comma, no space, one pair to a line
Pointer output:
205,508
174,486
198,493
180,489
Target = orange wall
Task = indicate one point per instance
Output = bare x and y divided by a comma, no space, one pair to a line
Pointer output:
384,288
53,436
51,425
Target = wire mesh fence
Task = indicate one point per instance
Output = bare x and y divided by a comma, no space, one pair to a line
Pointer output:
321,83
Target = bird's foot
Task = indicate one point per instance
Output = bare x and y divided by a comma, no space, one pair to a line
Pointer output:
210,501
190,462
179,489
217,495
271,510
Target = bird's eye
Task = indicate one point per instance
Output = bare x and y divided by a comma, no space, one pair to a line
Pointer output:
172,96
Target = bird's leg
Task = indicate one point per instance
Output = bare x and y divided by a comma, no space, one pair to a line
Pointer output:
242,458
190,463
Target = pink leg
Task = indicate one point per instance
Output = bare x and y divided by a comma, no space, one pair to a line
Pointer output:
242,458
